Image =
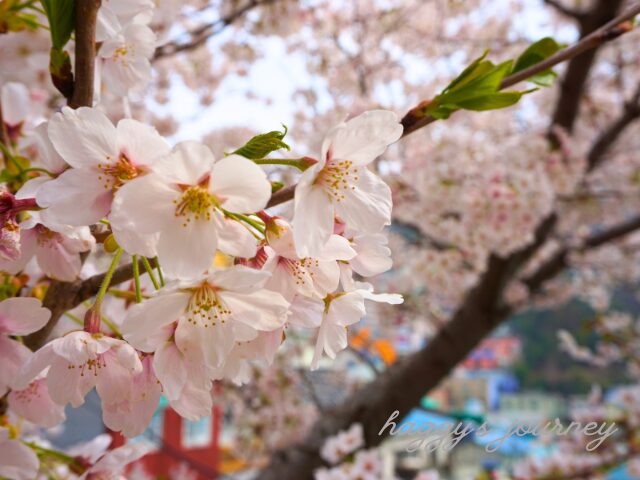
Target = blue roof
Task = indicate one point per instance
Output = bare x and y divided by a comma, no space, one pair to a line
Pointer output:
621,473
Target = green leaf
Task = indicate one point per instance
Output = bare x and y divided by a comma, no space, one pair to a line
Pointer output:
493,102
262,145
60,14
476,88
13,19
536,53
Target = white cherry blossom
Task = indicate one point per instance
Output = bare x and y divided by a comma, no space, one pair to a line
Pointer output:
182,200
103,156
340,183
211,313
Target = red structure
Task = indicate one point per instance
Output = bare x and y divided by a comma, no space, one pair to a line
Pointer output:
203,461
494,352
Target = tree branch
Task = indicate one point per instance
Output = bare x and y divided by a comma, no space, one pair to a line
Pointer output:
629,115
558,262
85,28
63,296
567,11
574,81
200,35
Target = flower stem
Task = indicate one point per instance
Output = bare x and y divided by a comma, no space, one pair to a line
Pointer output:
247,219
62,457
160,276
136,278
112,326
147,267
107,277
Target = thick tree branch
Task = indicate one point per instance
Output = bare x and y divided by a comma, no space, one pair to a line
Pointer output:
630,114
567,11
62,296
574,81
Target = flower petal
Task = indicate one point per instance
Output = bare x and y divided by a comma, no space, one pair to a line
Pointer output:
239,279
17,461
263,309
367,208
364,137
22,315
144,205
186,250
187,163
142,144
75,187
144,322
84,137
14,356
170,368
241,184
312,219
35,405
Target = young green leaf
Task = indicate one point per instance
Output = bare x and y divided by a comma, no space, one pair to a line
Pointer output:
536,53
60,14
13,19
476,88
262,145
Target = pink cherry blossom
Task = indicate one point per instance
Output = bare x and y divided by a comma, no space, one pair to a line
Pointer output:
79,361
18,316
35,405
17,461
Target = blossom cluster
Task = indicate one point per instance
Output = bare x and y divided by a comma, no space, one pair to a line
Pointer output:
184,207
352,463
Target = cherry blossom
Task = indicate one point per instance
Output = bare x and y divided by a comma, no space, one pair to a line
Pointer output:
18,316
103,157
340,183
125,59
17,461
35,404
211,313
183,200
80,361
340,311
